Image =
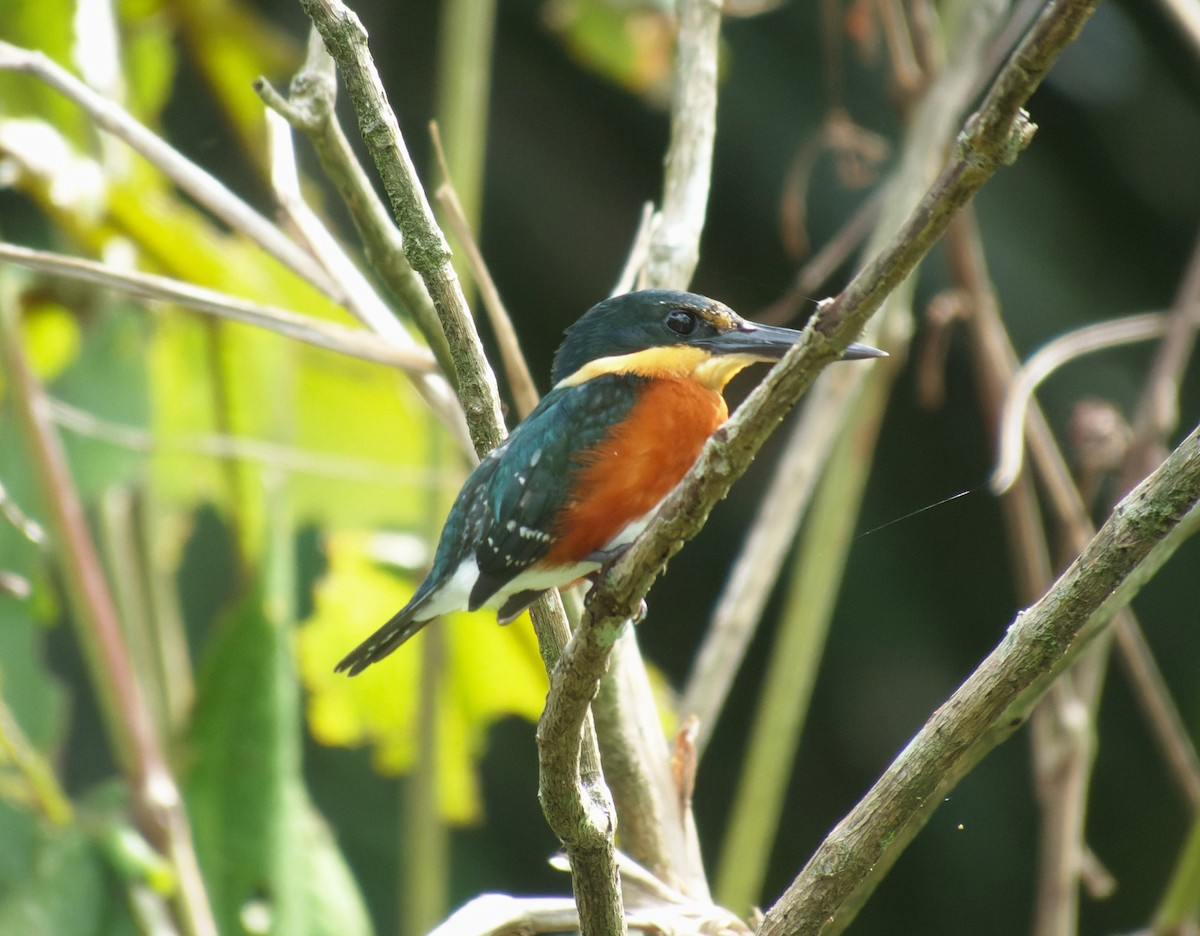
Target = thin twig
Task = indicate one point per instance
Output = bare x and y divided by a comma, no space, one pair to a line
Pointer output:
822,265
44,791
136,745
1157,413
1062,752
424,244
1049,358
310,109
1170,731
635,262
328,335
262,452
361,300
12,513
520,380
193,180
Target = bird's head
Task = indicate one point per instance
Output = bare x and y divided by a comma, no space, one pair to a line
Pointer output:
661,332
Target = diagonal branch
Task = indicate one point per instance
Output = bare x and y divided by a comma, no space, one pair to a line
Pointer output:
424,244
993,136
980,152
332,336
310,109
1142,533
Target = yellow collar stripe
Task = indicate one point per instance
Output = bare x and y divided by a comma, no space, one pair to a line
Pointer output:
672,361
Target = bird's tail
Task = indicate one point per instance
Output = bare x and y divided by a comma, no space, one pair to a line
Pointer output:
397,630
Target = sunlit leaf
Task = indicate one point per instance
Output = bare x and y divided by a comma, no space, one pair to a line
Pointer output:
52,339
492,672
630,45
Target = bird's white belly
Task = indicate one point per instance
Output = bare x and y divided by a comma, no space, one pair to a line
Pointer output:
455,594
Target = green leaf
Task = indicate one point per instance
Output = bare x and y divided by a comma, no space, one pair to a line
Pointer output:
331,903
266,858
108,381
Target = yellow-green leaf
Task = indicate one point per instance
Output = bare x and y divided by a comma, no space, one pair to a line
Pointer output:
492,672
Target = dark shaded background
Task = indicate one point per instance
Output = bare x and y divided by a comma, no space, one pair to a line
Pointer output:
1095,220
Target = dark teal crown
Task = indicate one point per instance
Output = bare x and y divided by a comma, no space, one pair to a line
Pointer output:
633,322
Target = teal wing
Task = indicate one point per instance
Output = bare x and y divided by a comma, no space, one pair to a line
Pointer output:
535,473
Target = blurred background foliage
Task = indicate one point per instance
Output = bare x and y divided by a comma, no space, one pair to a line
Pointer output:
294,800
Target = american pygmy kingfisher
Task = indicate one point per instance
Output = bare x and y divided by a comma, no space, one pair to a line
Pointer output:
636,393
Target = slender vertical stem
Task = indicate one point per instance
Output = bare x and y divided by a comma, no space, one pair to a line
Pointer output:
425,869
127,718
574,797
814,583
1181,903
463,80
675,243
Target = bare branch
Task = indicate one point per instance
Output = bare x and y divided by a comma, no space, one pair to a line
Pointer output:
328,335
1158,408
638,252
1048,359
361,300
424,244
1142,533
675,243
310,110
520,380
574,797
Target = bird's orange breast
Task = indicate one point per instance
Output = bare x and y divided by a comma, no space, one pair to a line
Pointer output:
636,465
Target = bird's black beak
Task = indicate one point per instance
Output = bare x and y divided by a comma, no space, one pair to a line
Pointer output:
858,352
770,343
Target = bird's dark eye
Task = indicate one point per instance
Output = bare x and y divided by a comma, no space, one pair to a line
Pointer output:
681,321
